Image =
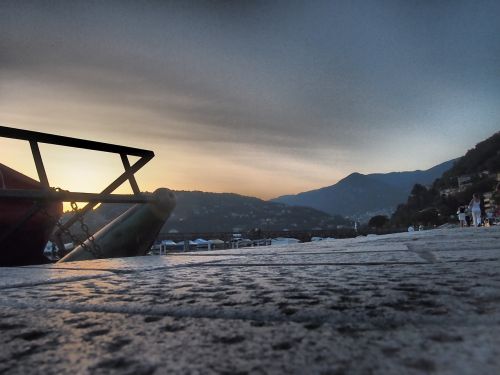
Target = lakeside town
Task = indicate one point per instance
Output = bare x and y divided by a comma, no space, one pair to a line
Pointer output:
249,187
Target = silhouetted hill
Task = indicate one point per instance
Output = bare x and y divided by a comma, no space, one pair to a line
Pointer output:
439,203
485,156
198,211
362,196
210,212
352,196
406,180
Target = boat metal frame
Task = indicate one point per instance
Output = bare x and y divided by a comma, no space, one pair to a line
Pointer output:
49,193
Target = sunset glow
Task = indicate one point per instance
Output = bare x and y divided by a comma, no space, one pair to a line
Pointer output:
263,100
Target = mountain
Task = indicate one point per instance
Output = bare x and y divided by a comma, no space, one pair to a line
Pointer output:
363,196
200,212
406,180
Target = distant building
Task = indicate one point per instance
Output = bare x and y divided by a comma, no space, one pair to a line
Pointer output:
489,204
448,192
464,182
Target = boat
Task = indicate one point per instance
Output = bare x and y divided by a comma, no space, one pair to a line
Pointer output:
24,225
30,210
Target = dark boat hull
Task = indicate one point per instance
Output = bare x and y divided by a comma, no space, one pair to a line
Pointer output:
25,225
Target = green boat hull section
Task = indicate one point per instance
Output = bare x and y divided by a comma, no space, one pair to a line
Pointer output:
130,234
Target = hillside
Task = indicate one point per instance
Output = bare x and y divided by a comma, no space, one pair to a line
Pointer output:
209,212
352,196
485,156
202,212
406,180
439,203
362,196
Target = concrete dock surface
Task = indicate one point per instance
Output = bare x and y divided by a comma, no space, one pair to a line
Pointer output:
410,303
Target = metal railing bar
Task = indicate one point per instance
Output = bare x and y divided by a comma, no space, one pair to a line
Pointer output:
109,189
60,140
37,157
131,178
69,196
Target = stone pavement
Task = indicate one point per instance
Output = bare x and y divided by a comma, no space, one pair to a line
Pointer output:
420,303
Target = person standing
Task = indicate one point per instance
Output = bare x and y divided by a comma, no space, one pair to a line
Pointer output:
461,216
468,219
475,208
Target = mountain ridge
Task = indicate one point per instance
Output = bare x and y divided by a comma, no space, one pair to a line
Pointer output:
361,196
204,212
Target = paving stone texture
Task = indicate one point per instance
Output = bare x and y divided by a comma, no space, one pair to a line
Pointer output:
411,303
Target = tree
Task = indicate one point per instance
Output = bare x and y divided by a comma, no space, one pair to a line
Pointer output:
402,216
429,216
378,221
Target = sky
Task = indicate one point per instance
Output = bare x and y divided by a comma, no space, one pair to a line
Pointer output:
260,98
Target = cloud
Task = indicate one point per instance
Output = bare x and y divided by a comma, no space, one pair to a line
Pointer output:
329,83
